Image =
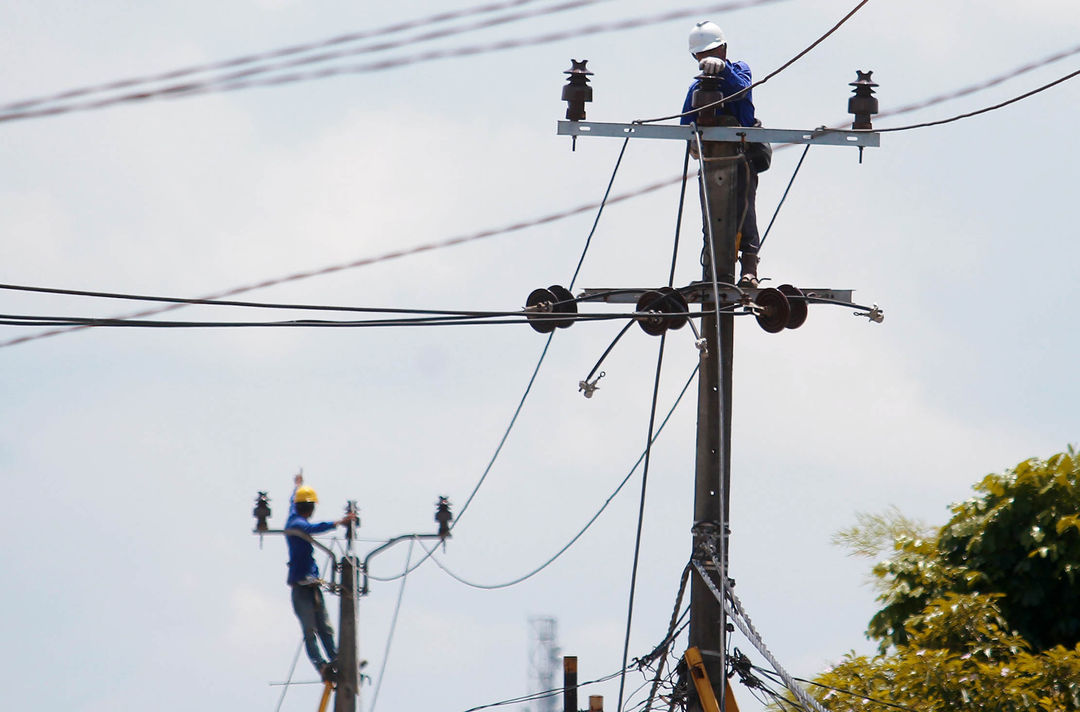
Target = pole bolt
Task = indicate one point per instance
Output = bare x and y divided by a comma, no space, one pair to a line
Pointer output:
863,104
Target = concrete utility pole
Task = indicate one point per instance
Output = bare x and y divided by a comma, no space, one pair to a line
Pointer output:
721,159
712,477
348,683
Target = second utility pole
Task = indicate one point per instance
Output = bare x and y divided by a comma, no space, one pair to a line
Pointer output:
712,479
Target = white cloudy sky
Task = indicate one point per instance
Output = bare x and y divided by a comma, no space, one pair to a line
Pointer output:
132,457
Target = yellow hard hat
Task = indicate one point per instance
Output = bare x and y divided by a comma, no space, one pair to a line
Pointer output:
305,494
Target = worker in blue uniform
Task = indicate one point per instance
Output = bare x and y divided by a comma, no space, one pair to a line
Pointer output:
307,597
709,47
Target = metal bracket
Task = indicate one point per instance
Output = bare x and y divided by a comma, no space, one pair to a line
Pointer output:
697,292
734,134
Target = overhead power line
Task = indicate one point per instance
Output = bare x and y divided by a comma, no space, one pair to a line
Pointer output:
365,261
536,369
592,520
984,110
983,85
561,215
188,89
278,53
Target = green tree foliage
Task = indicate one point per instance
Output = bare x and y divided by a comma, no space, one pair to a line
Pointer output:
983,614
1019,537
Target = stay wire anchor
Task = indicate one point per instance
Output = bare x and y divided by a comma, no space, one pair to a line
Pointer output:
876,314
590,387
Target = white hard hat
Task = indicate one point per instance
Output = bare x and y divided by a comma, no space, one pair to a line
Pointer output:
706,35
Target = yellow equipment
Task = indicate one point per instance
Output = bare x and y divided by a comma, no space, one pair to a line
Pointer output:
327,689
305,494
696,665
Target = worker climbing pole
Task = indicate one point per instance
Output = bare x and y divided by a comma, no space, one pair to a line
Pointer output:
731,148
340,667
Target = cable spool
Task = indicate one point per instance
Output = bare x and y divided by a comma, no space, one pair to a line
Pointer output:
797,302
661,309
774,310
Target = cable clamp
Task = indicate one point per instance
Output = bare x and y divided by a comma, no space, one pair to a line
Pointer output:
590,387
702,345
876,314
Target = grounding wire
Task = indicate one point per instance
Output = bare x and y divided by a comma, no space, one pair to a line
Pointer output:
588,524
770,75
393,627
641,517
272,54
604,201
195,88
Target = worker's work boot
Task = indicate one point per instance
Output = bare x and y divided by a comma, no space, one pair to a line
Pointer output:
749,263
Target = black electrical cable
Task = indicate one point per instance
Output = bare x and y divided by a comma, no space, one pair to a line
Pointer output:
246,304
96,322
784,196
532,379
641,516
964,91
984,110
581,532
196,88
287,51
679,214
665,645
367,261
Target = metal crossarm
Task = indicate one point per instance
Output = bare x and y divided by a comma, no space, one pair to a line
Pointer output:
733,134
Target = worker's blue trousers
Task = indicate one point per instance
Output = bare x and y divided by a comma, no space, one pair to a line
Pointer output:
310,608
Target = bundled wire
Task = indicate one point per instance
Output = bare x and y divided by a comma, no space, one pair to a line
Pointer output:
288,51
245,80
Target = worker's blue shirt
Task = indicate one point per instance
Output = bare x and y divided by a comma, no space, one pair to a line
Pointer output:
302,553
735,77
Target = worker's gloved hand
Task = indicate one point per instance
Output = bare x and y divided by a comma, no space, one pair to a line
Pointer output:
711,66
